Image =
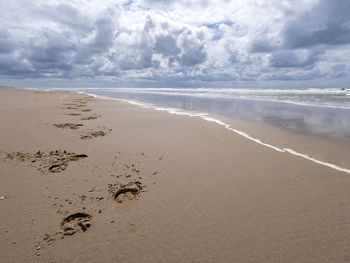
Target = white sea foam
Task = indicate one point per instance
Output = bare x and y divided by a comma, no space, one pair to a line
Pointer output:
206,117
305,156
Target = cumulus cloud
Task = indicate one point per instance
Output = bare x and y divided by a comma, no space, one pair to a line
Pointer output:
172,41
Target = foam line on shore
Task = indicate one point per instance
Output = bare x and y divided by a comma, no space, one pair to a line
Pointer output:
283,150
206,117
241,133
305,156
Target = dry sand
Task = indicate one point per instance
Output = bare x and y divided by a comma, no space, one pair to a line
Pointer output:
89,180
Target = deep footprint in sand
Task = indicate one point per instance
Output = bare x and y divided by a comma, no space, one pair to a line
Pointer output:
93,134
74,114
77,222
93,117
126,192
57,168
53,161
61,163
69,104
72,126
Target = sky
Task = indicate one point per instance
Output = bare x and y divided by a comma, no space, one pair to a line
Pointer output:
169,43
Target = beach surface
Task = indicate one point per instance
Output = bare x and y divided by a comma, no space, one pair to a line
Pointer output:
84,179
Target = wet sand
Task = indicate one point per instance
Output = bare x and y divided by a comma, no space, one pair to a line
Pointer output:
90,180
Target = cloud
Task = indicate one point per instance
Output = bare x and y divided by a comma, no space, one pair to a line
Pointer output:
172,41
327,23
7,43
167,45
193,52
293,58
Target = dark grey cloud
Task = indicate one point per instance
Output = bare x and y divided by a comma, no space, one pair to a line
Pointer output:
167,46
105,31
193,51
293,76
59,49
49,49
7,43
64,15
339,71
294,58
327,23
172,3
264,45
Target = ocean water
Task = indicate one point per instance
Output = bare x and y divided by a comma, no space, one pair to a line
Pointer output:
314,111
335,98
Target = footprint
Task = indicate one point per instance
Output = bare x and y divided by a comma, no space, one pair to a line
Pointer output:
72,126
53,161
94,117
61,163
74,114
77,222
92,134
127,192
81,155
57,168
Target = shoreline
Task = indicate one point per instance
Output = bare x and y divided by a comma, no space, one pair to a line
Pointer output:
225,123
241,98
86,179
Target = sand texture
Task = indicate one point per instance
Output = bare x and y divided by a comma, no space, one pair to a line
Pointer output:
90,180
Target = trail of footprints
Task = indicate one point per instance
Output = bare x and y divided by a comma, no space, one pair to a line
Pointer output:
80,105
127,179
127,176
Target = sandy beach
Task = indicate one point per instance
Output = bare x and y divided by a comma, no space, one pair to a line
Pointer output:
91,180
